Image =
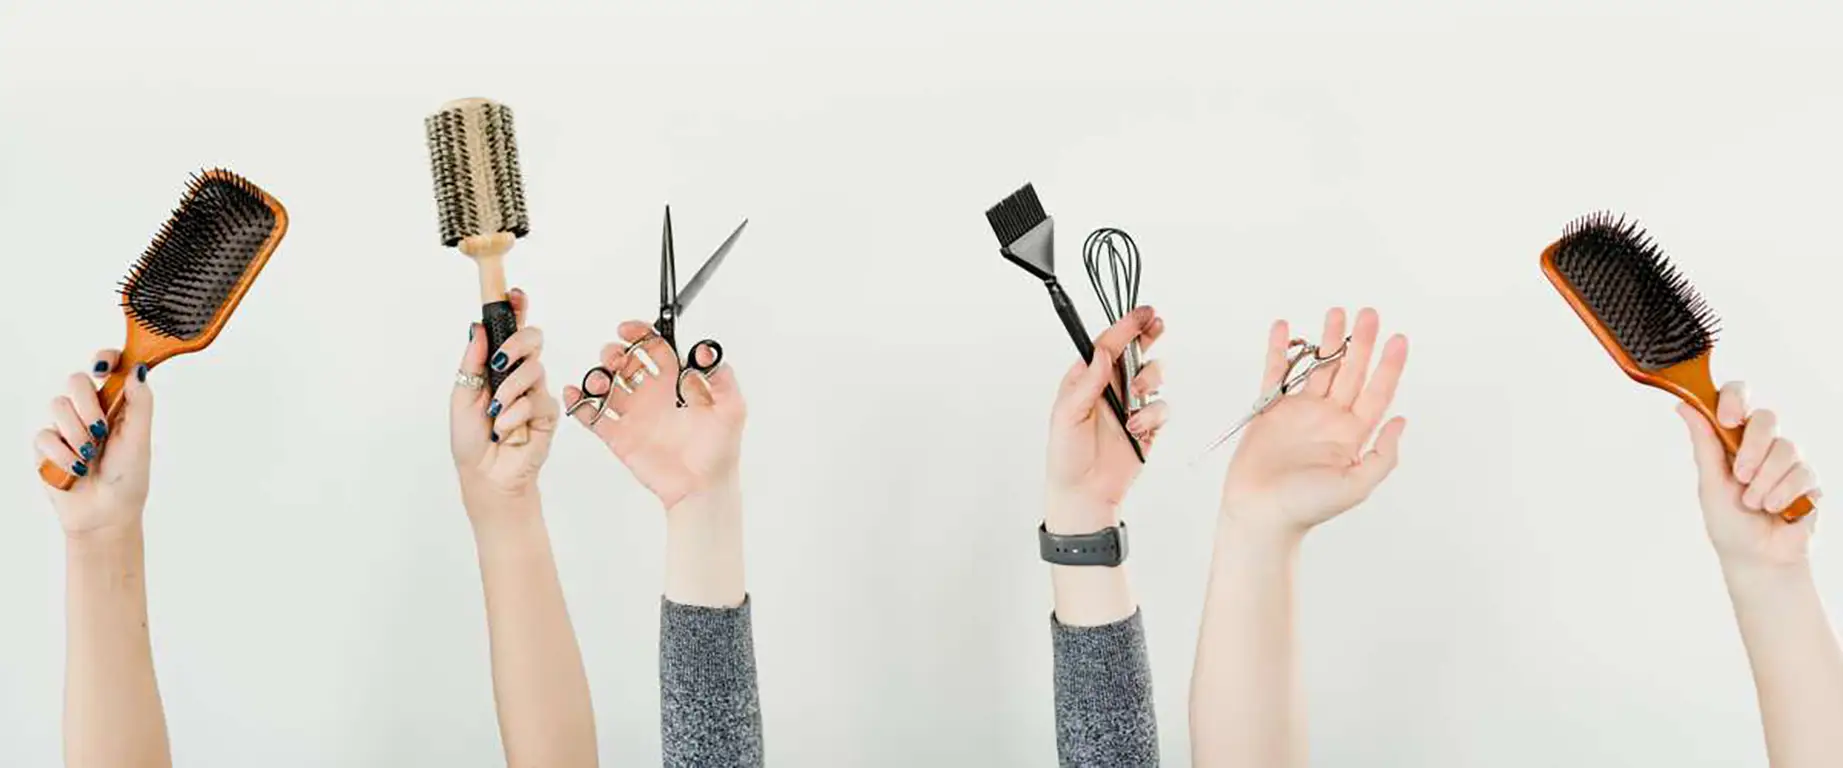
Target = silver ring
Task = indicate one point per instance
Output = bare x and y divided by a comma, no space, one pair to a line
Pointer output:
469,380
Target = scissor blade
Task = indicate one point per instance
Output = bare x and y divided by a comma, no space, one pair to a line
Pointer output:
668,266
698,280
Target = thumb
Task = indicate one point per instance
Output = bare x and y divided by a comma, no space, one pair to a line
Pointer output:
1382,457
133,431
1078,400
720,385
473,363
1711,458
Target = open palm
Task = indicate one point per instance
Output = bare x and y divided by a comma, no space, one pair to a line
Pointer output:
1304,461
674,451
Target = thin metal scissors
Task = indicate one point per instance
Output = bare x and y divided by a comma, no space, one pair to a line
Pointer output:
1299,351
672,303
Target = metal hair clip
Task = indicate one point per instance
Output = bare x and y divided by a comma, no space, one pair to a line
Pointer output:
1299,352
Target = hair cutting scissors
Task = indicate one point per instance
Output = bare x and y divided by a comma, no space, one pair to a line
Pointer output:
1299,353
672,303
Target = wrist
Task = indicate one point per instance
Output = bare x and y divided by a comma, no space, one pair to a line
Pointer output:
717,504
1753,575
1066,513
104,541
490,511
1259,533
704,548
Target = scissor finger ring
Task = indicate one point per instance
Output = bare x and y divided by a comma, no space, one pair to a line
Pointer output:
637,343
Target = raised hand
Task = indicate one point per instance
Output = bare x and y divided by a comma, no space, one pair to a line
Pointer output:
675,452
483,426
1741,499
111,463
1304,461
1091,465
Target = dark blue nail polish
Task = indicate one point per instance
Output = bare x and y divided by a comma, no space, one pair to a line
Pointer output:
80,469
87,451
492,409
495,436
470,332
102,366
99,430
500,360
140,372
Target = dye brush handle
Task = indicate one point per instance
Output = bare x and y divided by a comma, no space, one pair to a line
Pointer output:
1072,322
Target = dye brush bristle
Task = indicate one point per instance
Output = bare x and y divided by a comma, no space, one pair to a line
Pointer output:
1645,312
181,292
1026,234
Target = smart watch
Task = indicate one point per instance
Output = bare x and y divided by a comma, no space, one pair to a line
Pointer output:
1105,547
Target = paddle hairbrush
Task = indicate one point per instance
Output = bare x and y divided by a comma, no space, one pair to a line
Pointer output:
182,291
480,199
1646,314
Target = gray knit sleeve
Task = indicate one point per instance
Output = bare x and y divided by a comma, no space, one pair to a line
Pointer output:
1104,714
710,714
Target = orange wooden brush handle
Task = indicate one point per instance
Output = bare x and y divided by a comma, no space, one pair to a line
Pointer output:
1692,382
141,349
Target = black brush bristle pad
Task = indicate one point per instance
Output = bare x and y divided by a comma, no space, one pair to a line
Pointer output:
1650,309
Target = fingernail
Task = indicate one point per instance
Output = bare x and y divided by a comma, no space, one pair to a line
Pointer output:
87,451
101,367
80,469
140,372
495,436
500,360
99,430
470,331
492,409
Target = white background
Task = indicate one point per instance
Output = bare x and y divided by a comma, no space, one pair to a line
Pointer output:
1532,588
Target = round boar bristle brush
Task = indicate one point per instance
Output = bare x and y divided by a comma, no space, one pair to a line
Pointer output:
181,292
480,199
1646,315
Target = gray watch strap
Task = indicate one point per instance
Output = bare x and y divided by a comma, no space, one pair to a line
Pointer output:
1105,547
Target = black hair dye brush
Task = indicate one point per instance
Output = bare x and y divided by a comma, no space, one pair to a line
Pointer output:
1026,236
1645,313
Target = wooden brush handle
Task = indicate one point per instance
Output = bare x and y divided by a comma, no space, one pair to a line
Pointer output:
1692,382
111,397
496,313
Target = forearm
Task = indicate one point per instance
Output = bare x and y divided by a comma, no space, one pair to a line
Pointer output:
1087,596
709,705
112,712
1797,667
1104,707
710,708
704,548
1246,703
545,716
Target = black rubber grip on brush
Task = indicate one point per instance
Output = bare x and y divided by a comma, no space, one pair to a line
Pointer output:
501,322
1072,322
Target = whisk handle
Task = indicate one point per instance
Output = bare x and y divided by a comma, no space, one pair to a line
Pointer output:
1071,321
